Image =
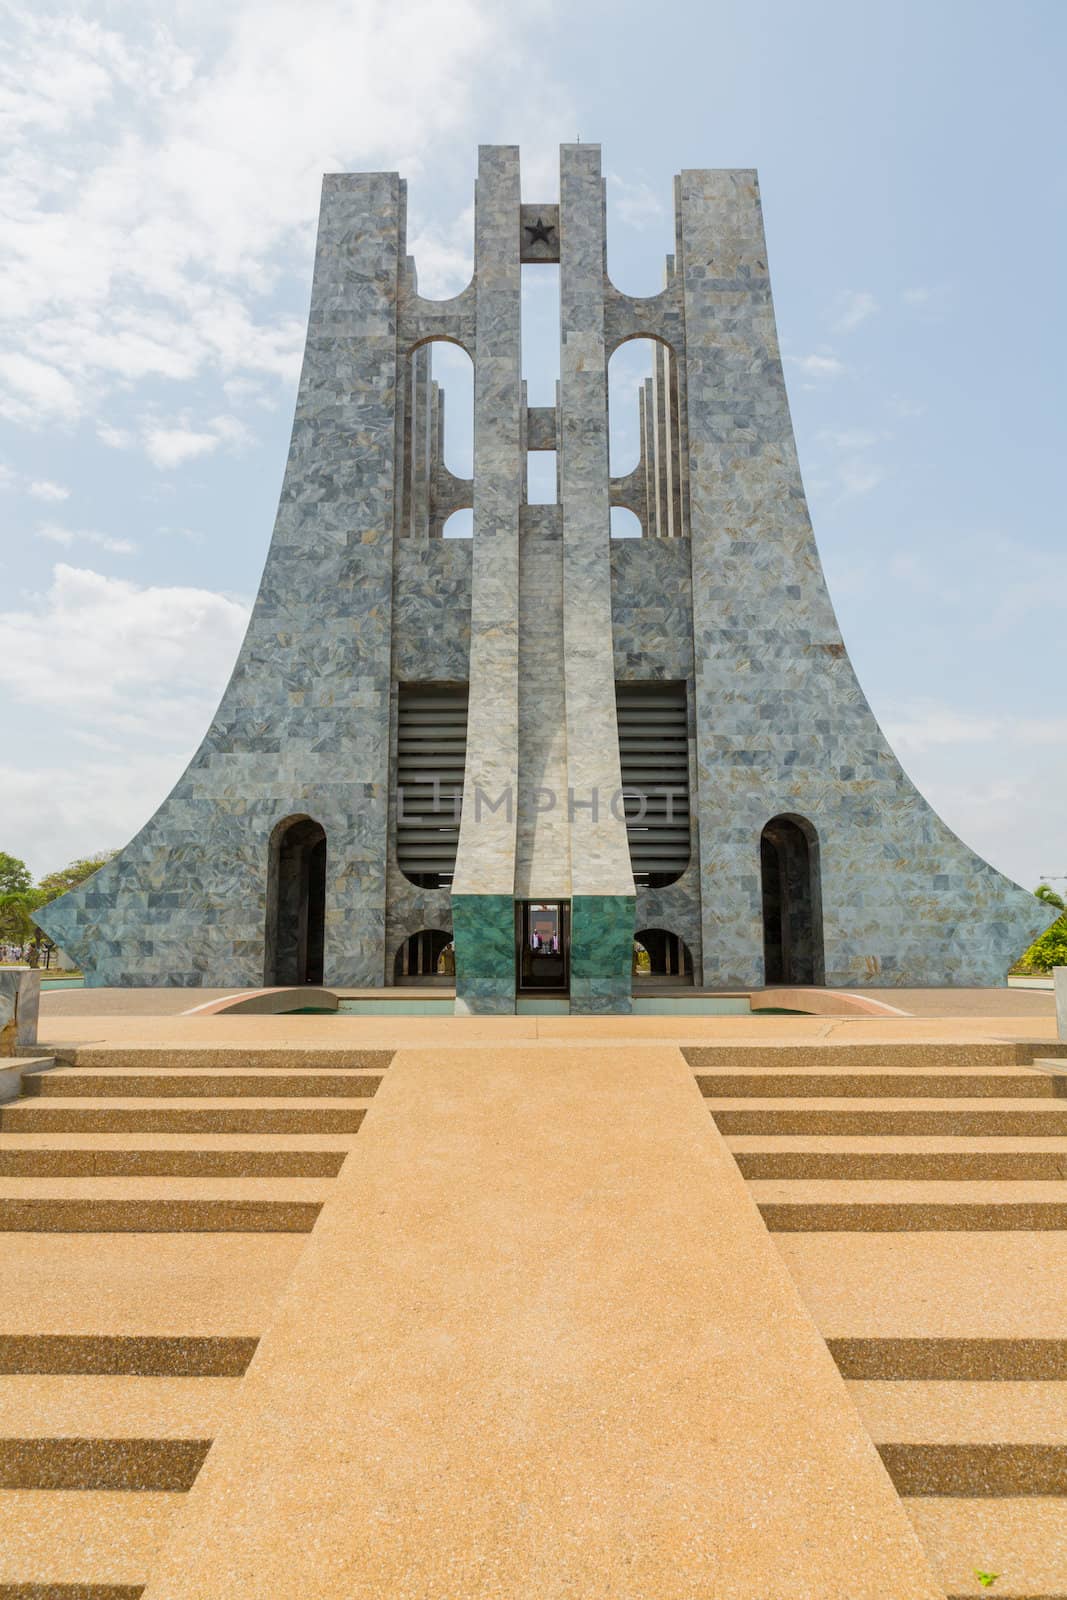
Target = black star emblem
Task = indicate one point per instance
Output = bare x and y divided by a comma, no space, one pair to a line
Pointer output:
539,233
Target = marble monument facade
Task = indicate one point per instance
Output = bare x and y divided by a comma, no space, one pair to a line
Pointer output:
793,848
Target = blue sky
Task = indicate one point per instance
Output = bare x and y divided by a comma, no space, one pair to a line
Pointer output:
161,169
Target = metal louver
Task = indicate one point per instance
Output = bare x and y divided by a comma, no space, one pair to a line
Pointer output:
431,748
654,754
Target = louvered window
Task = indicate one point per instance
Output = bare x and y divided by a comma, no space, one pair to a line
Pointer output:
431,749
654,752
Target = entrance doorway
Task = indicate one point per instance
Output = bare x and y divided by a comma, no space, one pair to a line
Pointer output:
296,904
792,902
542,931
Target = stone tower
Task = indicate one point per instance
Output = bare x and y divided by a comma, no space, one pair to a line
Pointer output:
542,741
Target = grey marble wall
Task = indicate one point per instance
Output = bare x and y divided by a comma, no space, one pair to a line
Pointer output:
543,857
600,856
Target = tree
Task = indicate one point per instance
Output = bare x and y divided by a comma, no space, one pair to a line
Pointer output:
16,908
14,875
1050,950
53,884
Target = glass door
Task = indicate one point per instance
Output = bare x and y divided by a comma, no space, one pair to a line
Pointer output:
542,929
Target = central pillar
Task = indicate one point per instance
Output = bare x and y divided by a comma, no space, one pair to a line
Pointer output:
602,893
483,889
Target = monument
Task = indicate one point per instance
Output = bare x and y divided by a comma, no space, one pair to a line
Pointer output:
537,743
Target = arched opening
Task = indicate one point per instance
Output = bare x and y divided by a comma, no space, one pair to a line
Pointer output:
645,449
625,524
296,903
438,447
460,525
640,236
428,956
792,902
661,956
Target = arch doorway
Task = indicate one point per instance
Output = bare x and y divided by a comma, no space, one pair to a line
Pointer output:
660,954
428,956
792,902
296,903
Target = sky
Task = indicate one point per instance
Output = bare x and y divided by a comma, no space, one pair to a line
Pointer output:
160,169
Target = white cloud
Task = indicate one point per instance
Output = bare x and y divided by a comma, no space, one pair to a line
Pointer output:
903,407
819,367
114,438
996,779
170,447
930,299
636,204
120,658
161,173
55,533
79,806
853,307
927,724
173,446
858,477
444,255
44,489
850,438
33,390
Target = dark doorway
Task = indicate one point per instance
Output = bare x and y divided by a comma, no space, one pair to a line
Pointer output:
792,902
542,931
661,956
428,956
296,903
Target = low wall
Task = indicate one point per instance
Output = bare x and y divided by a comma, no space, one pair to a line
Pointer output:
20,1002
822,1003
268,1002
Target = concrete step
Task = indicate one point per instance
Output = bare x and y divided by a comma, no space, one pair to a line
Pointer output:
107,1084
818,1056
1022,1539
109,1407
1003,1362
87,1158
306,1190
1003,1412
813,1205
183,1357
100,1543
204,1116
960,1083
926,1160
973,1470
223,1058
932,1285
937,1119
152,1465
156,1216
160,1205
136,1284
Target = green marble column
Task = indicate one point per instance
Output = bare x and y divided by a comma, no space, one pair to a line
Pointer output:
602,942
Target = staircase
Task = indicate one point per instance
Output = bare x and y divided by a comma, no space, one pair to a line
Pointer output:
151,1211
918,1195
